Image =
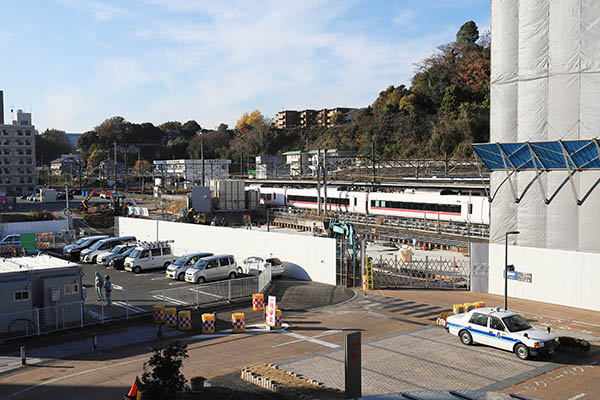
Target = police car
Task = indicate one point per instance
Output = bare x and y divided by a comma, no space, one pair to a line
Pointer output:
502,329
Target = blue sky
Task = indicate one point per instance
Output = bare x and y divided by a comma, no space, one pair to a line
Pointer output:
75,63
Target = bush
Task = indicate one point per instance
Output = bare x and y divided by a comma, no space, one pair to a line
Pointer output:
43,215
571,343
165,380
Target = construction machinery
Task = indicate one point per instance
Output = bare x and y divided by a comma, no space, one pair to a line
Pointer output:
117,202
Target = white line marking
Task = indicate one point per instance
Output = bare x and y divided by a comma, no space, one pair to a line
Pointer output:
326,333
69,376
158,279
176,283
171,300
309,339
135,309
208,294
94,315
117,287
580,395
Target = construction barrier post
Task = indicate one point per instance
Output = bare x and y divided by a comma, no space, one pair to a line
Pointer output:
158,314
208,323
258,302
184,319
171,317
237,323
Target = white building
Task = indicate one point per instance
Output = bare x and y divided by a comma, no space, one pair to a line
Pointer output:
17,153
545,86
184,174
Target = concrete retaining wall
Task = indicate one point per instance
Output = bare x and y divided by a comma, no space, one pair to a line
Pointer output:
305,257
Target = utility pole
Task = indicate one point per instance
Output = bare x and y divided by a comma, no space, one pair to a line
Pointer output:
318,181
325,178
373,159
115,163
202,158
126,171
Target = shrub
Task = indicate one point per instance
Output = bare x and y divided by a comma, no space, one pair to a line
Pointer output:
165,380
571,343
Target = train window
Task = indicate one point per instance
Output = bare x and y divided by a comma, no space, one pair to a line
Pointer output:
383,204
376,203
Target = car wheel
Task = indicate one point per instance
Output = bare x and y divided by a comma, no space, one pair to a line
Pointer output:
94,259
466,338
522,351
167,264
201,280
240,270
232,275
181,276
137,270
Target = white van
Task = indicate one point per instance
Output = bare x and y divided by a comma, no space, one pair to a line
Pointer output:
149,256
212,269
89,255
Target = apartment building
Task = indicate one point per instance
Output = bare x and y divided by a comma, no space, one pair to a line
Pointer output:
17,153
306,118
287,119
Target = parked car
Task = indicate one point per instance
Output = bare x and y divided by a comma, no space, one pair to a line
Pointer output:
212,269
117,261
103,258
89,255
502,329
178,268
73,250
32,196
149,256
255,265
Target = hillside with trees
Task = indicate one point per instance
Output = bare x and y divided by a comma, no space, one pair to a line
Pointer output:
445,109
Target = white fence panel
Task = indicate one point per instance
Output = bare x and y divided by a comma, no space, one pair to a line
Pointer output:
34,227
304,257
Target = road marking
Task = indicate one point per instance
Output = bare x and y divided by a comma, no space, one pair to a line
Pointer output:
326,333
208,294
171,300
556,319
70,376
117,287
135,309
158,279
309,339
580,395
176,283
94,315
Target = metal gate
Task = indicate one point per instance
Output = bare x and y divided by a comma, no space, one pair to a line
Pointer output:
426,274
348,264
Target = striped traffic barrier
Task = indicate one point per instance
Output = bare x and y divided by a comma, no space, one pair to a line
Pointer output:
237,323
184,320
158,314
171,317
277,319
208,323
258,302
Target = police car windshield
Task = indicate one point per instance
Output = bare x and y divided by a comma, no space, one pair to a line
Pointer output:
516,323
181,260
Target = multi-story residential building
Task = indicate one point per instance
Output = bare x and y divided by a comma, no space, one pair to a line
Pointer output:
287,119
183,174
308,118
17,153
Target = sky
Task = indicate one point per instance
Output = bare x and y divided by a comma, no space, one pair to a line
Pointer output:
76,63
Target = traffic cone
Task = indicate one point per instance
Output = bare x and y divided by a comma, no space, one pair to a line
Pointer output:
424,248
133,391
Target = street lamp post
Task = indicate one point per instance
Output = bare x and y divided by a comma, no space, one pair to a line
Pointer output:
506,267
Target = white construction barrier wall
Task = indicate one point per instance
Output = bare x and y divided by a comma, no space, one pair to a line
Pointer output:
33,227
304,257
570,278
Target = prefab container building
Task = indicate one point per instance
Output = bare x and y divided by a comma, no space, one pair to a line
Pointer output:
36,292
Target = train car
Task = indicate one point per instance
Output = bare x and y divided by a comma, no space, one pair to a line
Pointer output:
271,196
338,201
430,205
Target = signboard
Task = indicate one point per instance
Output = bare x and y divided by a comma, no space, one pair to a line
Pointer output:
352,349
520,276
271,311
369,271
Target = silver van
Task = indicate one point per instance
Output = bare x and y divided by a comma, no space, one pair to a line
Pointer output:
178,268
89,255
212,269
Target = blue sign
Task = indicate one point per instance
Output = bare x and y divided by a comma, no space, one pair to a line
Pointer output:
512,275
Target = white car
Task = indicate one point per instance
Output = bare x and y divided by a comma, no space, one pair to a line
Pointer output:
255,265
103,258
180,266
502,329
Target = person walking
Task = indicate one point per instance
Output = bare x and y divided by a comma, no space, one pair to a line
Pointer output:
99,284
108,289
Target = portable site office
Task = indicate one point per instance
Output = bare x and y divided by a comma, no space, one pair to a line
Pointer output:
31,283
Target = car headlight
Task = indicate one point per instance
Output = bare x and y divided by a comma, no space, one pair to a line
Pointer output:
537,345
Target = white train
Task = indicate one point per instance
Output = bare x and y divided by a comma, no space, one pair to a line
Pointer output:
436,205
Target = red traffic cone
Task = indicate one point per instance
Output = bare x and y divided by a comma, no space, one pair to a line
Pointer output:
133,391
424,248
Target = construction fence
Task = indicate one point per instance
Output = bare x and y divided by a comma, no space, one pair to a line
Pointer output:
429,273
39,321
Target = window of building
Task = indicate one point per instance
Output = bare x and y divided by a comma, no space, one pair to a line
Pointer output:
72,288
27,133
20,132
4,132
28,151
22,295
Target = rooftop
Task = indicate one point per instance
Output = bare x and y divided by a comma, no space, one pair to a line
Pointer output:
38,263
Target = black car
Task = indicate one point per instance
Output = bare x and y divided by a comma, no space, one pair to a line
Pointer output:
117,261
74,249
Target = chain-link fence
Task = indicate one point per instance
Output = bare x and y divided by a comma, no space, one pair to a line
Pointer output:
428,273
